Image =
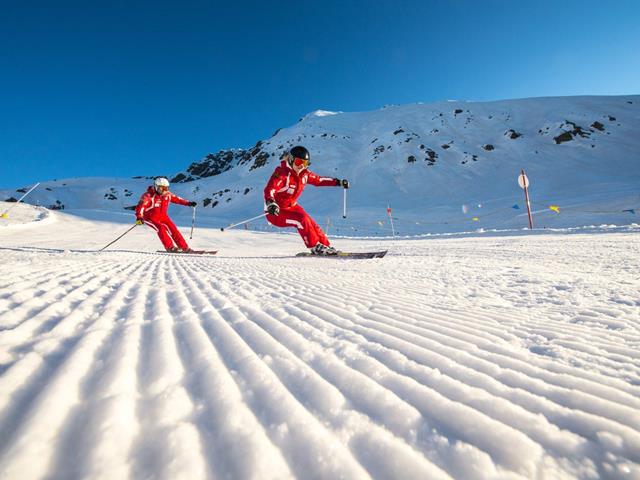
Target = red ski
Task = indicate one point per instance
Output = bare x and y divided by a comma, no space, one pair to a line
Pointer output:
192,252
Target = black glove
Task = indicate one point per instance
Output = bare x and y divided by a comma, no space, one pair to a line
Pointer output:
344,183
192,204
139,221
272,208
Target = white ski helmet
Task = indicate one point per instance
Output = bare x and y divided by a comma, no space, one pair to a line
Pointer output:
161,182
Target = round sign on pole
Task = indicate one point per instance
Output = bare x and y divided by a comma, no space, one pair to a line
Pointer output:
523,181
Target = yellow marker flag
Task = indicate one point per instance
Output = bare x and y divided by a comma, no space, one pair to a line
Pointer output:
475,219
555,208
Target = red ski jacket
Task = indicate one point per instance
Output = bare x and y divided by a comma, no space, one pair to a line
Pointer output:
285,186
154,205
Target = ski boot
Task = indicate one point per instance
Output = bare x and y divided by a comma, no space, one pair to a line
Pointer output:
321,249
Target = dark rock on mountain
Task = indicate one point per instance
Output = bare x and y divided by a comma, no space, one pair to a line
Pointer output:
379,149
431,157
563,137
512,134
567,136
181,177
260,160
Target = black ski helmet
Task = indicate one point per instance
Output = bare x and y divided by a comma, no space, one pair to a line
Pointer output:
299,152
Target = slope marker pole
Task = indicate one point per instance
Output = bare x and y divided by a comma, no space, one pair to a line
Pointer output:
5,214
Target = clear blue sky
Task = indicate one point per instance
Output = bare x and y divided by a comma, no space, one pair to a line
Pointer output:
125,88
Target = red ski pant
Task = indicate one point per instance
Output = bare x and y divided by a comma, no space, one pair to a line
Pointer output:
296,217
168,232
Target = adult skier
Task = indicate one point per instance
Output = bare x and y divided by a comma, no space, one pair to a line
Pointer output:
281,194
152,210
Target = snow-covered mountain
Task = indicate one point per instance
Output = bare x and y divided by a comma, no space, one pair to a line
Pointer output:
446,166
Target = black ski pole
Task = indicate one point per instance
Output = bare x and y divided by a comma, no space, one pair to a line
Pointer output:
344,203
103,248
243,222
193,222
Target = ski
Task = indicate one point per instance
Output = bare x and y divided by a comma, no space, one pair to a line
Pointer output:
378,254
192,252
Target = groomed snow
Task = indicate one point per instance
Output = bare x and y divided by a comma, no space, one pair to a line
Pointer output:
482,357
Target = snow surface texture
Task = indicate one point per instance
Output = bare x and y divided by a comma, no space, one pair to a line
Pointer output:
441,167
502,357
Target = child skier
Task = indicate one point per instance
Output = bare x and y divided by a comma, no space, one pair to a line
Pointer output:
283,189
152,210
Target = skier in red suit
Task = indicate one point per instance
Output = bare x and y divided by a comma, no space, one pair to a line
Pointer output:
152,210
282,191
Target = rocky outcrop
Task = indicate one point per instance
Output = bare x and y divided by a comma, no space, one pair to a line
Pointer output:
216,163
568,135
512,134
431,157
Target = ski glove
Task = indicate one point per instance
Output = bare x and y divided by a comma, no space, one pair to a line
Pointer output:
139,221
192,204
344,183
272,208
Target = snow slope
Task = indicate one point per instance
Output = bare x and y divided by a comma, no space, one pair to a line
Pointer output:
499,357
20,215
442,167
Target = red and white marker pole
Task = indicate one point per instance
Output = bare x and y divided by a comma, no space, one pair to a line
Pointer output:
523,181
393,231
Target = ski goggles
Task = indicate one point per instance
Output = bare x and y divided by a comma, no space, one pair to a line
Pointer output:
300,162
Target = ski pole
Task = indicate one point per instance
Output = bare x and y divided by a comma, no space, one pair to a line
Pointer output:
134,226
242,222
5,214
193,222
344,203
